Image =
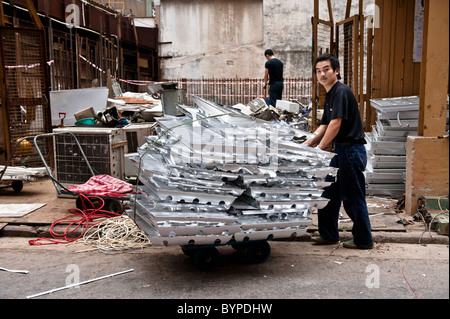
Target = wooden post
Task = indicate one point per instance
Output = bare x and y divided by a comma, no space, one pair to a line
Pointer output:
427,154
315,96
33,13
434,69
2,15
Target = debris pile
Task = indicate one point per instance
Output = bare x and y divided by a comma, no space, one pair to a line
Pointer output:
216,176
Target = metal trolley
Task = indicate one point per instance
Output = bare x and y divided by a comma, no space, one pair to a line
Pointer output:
113,204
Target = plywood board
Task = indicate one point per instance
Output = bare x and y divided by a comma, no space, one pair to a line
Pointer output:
18,210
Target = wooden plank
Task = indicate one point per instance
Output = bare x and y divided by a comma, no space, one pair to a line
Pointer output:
348,9
361,62
377,53
399,49
392,56
408,76
370,111
33,13
2,15
385,47
435,67
355,56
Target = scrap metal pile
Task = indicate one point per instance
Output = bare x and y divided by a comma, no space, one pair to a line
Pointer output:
216,176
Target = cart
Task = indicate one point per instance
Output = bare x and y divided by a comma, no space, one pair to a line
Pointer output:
15,177
201,243
207,257
113,204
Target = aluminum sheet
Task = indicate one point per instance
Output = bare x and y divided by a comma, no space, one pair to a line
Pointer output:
226,178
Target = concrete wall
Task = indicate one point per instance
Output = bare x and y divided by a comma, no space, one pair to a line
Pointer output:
227,38
211,38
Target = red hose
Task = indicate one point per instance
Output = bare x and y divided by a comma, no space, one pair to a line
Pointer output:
86,218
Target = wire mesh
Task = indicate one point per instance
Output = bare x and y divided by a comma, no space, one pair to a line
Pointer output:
233,91
71,167
26,94
346,52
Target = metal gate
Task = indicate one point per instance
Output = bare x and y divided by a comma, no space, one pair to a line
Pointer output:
323,35
347,51
25,90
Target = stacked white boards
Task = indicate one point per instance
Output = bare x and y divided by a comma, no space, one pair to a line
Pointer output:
397,118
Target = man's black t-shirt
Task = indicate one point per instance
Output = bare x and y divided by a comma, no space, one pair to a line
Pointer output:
340,102
275,68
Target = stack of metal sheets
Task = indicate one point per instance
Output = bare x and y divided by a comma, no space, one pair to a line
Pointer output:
386,169
216,176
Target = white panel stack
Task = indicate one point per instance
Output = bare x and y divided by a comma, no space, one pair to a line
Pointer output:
386,144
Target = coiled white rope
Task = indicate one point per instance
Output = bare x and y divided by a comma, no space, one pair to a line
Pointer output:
116,234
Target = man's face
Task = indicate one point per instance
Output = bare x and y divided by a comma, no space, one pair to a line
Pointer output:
325,74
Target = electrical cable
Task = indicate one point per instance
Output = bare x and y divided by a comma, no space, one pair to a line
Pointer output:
85,217
428,227
116,234
403,272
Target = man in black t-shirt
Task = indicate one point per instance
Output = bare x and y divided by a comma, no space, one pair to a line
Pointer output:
274,75
341,124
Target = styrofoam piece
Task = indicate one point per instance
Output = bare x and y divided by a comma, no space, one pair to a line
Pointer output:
288,106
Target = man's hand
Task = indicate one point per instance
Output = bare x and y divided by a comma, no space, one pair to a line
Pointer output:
308,142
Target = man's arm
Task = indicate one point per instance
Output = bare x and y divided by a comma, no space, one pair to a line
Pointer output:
318,134
266,77
330,133
325,134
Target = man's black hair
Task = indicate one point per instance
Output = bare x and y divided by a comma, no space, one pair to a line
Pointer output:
334,62
268,52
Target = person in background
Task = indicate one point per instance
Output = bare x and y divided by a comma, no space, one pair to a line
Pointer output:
341,125
274,77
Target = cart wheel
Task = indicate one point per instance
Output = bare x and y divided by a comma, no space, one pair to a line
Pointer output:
95,203
258,252
188,251
114,206
240,247
207,258
17,186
